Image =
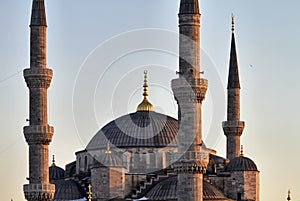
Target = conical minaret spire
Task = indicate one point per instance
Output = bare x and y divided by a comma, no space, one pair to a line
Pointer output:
38,14
233,78
233,127
189,91
38,134
189,7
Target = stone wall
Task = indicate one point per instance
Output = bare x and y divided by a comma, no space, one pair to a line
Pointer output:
108,183
243,185
132,180
251,186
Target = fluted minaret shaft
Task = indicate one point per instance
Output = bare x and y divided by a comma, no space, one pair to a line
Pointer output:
38,134
189,41
189,91
233,127
189,68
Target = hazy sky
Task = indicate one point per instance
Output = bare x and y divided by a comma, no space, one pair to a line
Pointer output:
98,50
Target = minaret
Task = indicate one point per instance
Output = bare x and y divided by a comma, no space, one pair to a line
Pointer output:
233,127
189,91
38,134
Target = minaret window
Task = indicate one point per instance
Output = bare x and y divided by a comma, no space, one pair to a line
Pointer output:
239,196
85,163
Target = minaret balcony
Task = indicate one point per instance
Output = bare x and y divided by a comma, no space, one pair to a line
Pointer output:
192,162
38,77
189,20
45,72
233,124
39,191
233,128
38,134
193,90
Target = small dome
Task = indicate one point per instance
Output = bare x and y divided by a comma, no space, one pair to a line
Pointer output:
68,190
110,158
241,163
139,129
167,190
56,173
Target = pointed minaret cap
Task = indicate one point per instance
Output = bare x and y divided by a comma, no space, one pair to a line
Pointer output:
289,195
189,7
233,78
145,105
38,14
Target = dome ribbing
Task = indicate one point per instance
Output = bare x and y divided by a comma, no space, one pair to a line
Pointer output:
241,163
139,129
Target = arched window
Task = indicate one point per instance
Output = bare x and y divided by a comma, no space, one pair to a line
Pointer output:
79,164
85,163
239,196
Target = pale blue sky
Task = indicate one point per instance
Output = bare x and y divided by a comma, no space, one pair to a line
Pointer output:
267,36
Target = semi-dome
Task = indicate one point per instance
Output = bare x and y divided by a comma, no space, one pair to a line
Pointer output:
241,163
68,190
167,190
139,129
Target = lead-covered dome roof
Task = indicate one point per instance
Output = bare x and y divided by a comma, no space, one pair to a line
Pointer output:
55,172
241,163
139,129
167,190
68,190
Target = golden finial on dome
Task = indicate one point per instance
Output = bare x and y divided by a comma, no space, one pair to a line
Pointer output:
145,105
90,194
108,151
242,150
53,160
289,195
232,23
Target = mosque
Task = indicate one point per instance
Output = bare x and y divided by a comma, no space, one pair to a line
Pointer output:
143,155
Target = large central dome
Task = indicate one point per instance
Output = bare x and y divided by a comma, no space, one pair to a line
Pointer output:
144,128
139,129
